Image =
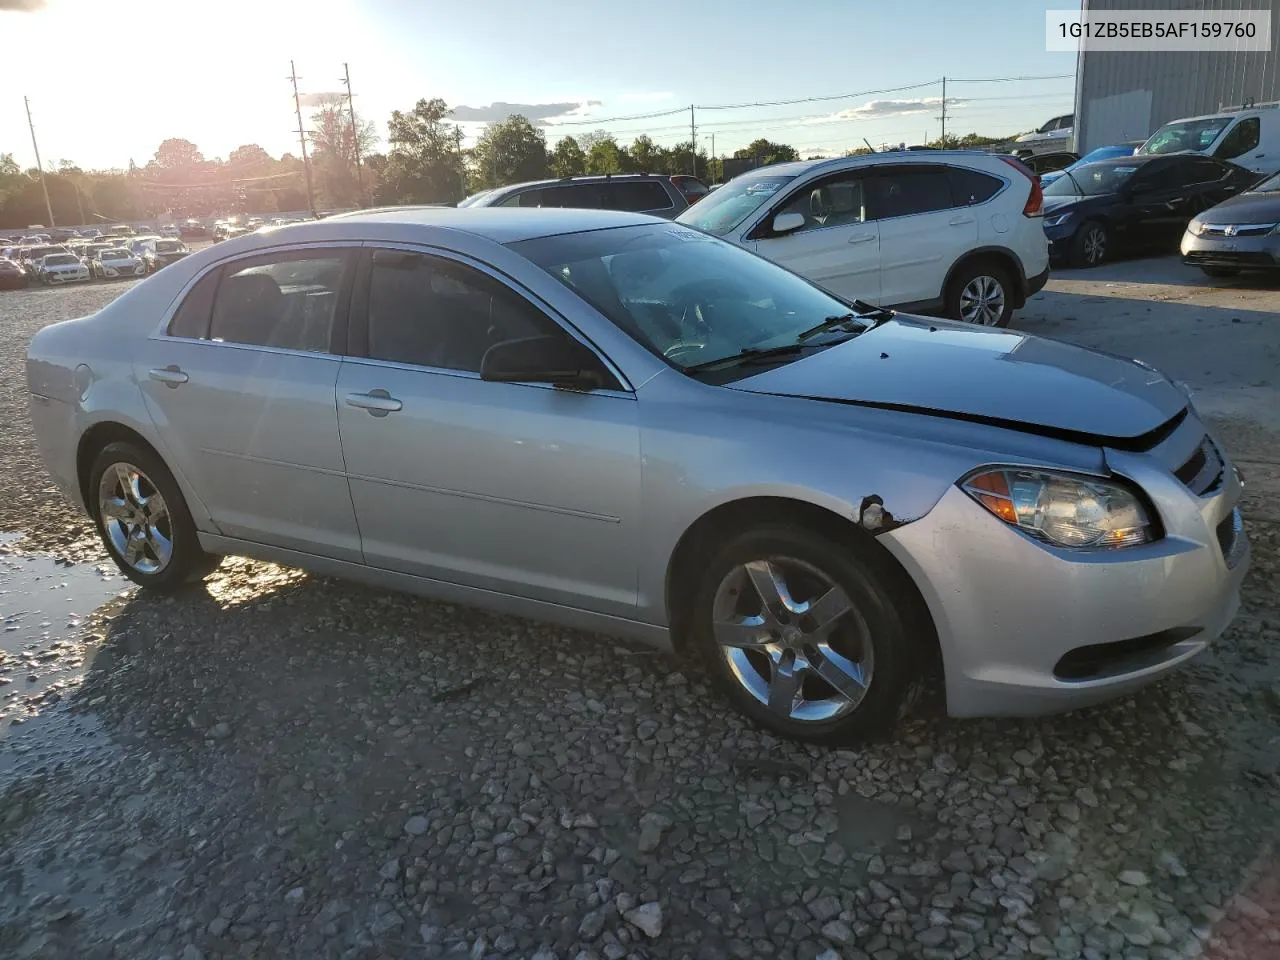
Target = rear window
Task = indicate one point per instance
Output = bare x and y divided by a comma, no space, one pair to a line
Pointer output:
904,192
971,186
635,196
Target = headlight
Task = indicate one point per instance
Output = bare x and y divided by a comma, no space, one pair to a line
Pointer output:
1057,220
1195,228
1062,509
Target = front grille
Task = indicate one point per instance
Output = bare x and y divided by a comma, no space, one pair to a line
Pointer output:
1235,258
1122,656
1202,473
1237,230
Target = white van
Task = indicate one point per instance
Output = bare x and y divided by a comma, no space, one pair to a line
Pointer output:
1247,136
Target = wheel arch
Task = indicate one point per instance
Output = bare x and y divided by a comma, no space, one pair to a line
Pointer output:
1003,256
701,538
94,440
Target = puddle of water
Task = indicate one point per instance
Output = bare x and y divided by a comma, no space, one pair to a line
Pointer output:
44,649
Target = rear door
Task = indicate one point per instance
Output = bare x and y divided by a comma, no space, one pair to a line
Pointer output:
240,385
1163,199
922,230
838,247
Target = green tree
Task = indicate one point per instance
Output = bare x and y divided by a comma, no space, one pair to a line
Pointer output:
424,162
509,152
334,159
766,151
249,158
646,156
567,159
178,154
604,155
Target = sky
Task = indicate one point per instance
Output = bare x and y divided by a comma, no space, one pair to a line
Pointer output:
106,89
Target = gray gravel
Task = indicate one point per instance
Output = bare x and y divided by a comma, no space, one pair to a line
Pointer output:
278,765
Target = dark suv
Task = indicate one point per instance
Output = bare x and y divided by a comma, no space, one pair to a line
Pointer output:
634,192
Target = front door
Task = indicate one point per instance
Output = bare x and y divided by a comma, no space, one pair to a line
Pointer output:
519,488
241,387
838,247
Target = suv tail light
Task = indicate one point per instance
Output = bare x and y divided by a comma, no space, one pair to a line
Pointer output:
1035,200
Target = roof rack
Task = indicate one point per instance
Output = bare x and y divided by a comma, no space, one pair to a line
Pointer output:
1250,105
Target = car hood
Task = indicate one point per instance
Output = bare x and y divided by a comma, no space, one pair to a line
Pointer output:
1245,208
1000,377
1054,205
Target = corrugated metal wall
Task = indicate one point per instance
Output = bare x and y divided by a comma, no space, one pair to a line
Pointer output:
1126,96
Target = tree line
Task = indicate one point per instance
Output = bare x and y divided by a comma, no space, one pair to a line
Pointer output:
424,162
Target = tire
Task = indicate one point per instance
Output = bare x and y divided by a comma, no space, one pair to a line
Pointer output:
1091,245
875,662
981,293
1221,273
154,566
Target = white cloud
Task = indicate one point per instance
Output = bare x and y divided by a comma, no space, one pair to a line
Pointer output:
878,109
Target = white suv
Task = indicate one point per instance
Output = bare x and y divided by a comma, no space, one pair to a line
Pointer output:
951,231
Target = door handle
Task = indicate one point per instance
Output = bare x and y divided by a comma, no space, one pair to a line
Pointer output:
961,220
862,238
171,376
378,402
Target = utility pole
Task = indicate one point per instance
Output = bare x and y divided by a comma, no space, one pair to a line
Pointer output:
355,131
302,139
39,166
693,144
713,157
942,142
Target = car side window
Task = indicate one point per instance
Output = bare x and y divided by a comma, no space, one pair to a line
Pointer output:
1207,171
906,191
433,312
1164,176
287,301
191,319
834,202
636,196
1242,138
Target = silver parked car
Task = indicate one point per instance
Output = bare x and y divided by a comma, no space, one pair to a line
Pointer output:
626,425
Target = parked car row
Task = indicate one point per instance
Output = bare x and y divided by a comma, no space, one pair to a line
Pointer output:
81,260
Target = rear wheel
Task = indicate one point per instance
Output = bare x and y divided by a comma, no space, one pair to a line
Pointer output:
143,518
804,635
1090,245
981,293
1221,273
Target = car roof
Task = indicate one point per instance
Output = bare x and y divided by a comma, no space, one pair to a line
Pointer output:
795,168
499,224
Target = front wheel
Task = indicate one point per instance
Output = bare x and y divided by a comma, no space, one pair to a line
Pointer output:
981,294
143,518
1090,245
804,635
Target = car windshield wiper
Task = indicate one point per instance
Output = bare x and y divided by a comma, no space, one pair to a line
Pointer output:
862,311
749,355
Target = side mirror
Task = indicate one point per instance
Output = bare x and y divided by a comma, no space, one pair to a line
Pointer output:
543,359
787,222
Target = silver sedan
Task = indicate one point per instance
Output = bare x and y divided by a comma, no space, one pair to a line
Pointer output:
627,426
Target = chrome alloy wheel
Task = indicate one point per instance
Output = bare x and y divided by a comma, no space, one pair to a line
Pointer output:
1094,244
792,639
135,518
982,301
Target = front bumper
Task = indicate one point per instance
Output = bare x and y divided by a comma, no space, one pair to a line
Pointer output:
1241,253
114,273
1027,629
1060,238
52,277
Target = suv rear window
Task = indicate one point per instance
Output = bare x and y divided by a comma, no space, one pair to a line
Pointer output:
635,196
971,186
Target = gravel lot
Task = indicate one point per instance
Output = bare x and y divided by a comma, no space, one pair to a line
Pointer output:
277,765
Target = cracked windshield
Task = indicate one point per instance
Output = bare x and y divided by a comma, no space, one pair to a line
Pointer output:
577,497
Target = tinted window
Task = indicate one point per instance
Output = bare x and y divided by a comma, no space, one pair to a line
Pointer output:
433,312
902,192
635,195
192,317
1206,171
692,188
1066,123
1163,176
1242,138
285,303
833,202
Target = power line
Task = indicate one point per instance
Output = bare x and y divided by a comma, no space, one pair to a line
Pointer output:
355,131
837,96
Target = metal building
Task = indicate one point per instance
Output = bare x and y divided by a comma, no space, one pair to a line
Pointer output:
1126,96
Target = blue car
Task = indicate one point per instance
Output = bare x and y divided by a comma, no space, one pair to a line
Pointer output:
1101,153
